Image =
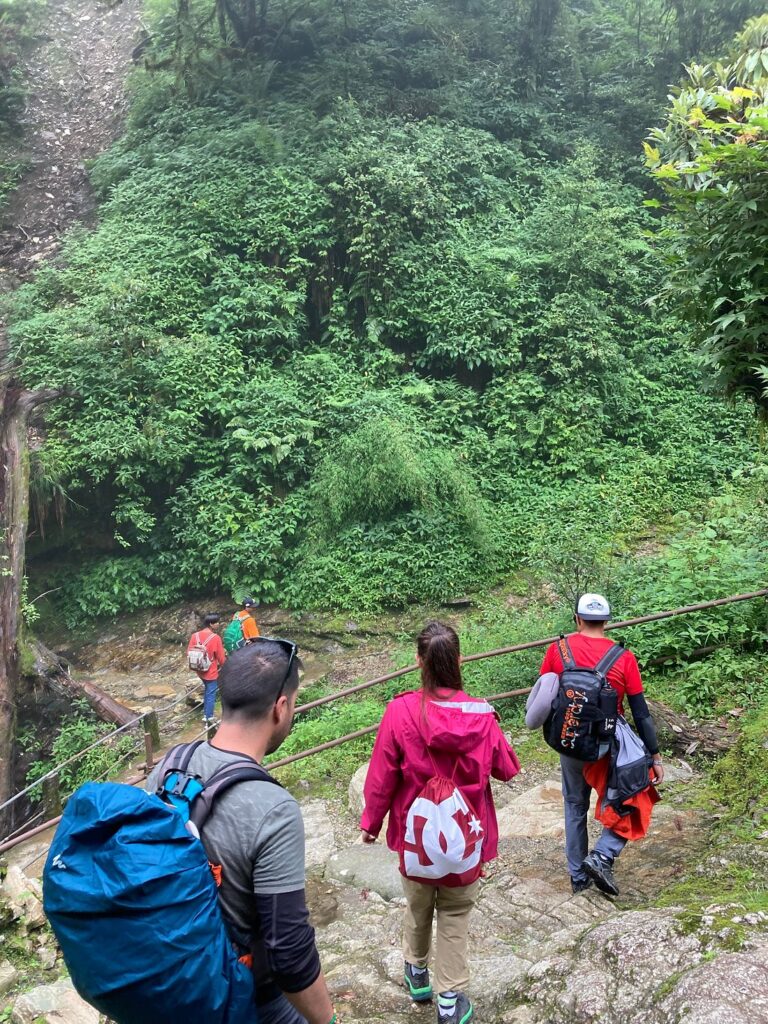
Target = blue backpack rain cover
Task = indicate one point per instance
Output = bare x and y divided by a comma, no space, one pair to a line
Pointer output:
130,896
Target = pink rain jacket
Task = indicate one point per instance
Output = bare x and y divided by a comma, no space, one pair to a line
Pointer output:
462,733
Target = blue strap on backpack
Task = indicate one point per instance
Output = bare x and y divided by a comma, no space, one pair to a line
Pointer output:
131,897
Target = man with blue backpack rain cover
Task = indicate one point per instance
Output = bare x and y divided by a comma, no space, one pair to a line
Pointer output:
186,903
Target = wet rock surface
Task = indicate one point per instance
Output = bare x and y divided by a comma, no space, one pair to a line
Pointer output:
140,659
367,868
733,989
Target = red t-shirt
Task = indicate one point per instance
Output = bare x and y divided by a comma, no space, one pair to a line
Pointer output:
587,651
215,650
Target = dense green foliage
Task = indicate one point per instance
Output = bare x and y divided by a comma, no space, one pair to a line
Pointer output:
365,319
711,159
723,549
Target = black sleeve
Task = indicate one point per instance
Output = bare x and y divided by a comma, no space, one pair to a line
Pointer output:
289,939
644,722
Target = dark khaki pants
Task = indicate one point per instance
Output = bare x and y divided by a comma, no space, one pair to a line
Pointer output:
453,905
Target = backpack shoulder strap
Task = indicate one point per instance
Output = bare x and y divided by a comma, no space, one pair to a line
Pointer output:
610,658
222,780
566,654
176,760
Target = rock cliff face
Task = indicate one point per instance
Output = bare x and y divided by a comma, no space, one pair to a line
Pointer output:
538,954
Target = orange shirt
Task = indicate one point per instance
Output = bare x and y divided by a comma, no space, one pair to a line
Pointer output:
250,629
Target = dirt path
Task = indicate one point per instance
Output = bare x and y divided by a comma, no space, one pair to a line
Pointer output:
75,106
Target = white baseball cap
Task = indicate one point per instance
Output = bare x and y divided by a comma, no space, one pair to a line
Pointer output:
593,608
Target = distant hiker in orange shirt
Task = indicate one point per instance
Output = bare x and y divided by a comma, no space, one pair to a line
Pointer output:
242,629
205,655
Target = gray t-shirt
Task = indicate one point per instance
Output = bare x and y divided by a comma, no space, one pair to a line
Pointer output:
255,832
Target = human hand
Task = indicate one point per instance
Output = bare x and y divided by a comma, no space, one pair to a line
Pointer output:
366,836
658,773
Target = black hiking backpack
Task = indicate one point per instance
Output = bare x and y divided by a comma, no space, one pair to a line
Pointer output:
585,708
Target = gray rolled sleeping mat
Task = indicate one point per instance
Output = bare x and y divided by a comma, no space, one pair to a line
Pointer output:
538,707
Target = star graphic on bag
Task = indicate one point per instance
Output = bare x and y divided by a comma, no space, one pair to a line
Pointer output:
475,827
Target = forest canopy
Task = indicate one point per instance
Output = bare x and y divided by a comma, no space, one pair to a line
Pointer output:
367,310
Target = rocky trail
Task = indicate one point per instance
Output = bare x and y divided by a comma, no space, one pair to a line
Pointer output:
75,80
539,954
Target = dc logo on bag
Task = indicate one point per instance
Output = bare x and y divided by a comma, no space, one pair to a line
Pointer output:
443,835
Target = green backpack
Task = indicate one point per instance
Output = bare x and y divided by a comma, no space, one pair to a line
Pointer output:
233,635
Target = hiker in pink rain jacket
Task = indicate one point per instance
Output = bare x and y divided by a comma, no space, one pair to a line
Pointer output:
438,732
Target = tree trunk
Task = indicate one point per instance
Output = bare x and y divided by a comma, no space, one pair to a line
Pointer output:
685,736
16,406
54,672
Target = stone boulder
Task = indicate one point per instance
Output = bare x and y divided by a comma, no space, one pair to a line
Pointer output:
318,829
53,1004
615,972
24,898
8,976
732,988
356,802
534,814
369,867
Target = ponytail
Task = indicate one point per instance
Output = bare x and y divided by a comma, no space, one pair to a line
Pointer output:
438,648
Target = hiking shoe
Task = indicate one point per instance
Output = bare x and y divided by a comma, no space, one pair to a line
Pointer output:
461,1013
600,870
418,984
580,885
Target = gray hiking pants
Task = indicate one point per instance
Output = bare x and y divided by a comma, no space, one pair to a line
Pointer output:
576,794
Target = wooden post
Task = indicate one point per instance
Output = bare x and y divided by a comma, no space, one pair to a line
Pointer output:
152,726
149,750
151,738
51,797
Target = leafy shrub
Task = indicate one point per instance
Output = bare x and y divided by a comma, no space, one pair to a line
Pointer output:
360,351
710,159
79,732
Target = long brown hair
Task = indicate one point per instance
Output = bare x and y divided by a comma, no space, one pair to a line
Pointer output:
438,648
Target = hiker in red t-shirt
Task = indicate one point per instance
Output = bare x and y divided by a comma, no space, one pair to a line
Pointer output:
588,646
208,641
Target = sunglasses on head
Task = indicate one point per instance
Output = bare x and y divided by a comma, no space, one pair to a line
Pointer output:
290,648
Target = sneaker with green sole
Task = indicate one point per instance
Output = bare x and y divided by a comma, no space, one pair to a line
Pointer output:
461,1013
418,984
